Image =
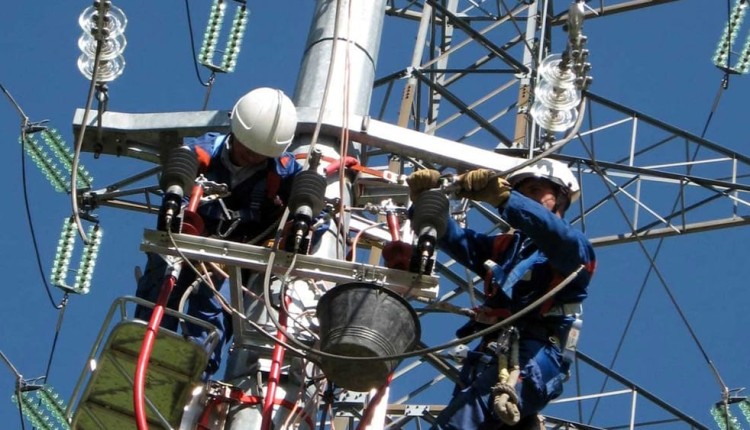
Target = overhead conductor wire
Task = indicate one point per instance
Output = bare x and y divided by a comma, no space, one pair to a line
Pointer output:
212,78
19,384
79,140
24,126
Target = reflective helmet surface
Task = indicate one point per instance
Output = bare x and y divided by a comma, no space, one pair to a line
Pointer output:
264,121
552,170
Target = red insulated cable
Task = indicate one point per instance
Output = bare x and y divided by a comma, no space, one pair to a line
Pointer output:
195,198
139,386
367,416
192,223
393,225
274,375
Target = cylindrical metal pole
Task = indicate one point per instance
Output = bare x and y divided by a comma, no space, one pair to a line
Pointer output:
335,81
341,26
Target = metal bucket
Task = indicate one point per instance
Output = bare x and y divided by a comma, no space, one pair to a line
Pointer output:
364,320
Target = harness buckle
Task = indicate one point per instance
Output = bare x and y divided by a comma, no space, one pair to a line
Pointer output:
571,340
227,216
566,309
505,339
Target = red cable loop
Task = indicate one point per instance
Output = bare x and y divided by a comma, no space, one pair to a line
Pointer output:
274,375
139,386
370,410
393,225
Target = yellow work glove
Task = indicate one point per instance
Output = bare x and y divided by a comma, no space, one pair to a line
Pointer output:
481,185
420,181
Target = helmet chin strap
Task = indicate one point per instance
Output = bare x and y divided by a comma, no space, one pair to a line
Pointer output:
562,201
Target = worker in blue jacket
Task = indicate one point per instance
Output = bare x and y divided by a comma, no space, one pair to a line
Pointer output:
252,161
518,267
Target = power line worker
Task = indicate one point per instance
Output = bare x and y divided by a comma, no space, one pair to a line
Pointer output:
252,161
518,267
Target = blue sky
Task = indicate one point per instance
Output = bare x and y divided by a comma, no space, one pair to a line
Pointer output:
657,61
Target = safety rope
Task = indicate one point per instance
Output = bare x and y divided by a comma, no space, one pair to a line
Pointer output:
505,403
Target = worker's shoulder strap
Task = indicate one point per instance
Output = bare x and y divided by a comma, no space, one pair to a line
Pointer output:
273,181
282,167
502,242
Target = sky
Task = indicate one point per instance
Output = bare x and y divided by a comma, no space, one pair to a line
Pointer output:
657,61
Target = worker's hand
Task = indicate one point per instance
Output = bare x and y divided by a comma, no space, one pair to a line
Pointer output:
489,316
397,255
481,185
422,180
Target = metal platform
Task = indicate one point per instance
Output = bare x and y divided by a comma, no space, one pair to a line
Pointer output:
174,371
257,258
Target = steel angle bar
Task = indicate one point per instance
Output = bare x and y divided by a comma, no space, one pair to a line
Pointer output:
611,124
359,224
259,259
593,396
646,174
643,392
667,127
611,9
407,142
559,423
479,37
406,11
130,206
110,195
424,387
690,163
657,233
480,101
463,107
101,196
638,203
461,283
413,410
468,41
145,135
153,171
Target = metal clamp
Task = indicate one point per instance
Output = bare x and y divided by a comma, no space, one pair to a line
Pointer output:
229,216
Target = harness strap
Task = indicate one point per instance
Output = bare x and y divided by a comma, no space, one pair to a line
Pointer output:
273,183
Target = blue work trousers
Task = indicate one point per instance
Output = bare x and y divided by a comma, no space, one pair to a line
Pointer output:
201,304
543,371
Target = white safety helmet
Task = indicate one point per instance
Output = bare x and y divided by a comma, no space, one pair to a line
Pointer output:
552,170
264,121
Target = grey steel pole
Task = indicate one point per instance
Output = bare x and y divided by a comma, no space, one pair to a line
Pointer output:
335,81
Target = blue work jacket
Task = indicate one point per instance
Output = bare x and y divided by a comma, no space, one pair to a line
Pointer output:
257,199
518,267
540,251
